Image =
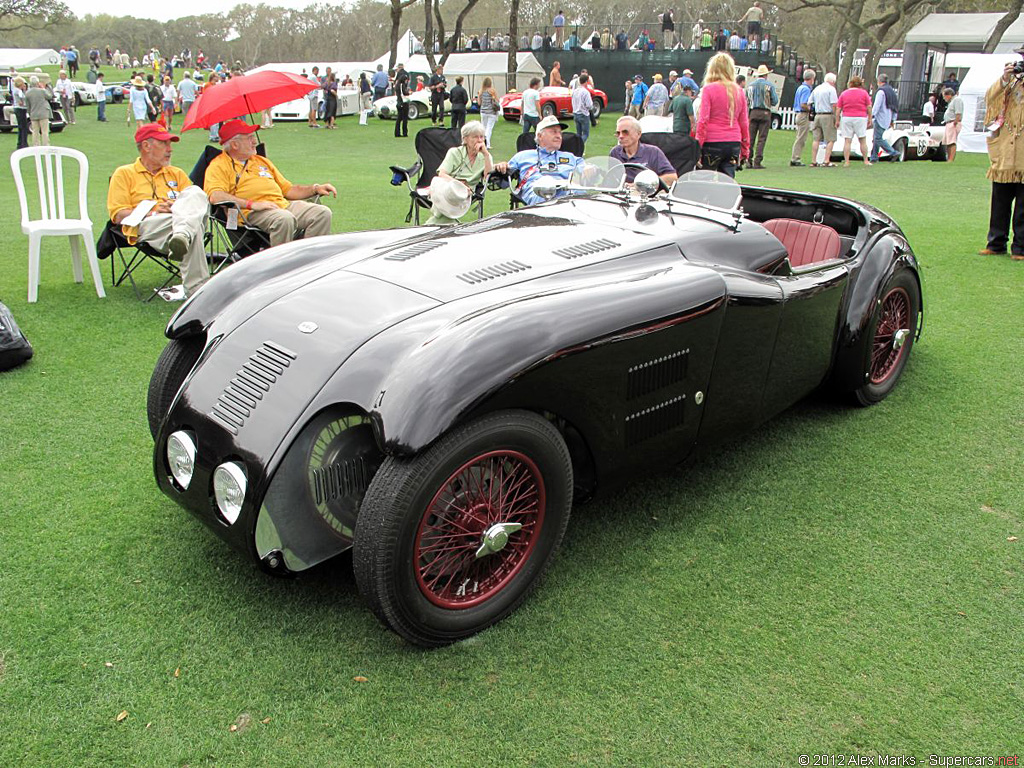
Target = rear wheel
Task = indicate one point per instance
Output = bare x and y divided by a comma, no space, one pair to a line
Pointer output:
414,110
776,122
174,364
548,109
595,111
892,337
451,541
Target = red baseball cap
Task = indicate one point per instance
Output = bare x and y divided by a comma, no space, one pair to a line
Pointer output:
154,131
233,128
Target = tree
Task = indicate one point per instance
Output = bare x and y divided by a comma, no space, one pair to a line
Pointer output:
32,14
513,45
397,6
1003,25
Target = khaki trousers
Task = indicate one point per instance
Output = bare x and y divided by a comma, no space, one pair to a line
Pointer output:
281,224
188,215
41,132
803,127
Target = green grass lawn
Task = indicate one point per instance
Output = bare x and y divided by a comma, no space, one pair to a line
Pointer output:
840,581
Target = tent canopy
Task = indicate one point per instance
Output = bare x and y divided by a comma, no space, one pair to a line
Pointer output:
474,66
965,31
22,58
340,68
986,69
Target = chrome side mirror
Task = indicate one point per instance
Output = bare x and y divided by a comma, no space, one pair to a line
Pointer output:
647,183
546,187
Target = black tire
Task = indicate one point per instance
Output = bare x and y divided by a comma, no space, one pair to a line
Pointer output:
595,111
413,506
776,122
898,308
57,128
5,129
548,109
901,151
174,364
78,99
414,110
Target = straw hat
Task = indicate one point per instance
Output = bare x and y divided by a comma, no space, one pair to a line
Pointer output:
449,197
138,81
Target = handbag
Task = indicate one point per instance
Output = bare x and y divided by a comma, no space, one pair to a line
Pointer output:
14,347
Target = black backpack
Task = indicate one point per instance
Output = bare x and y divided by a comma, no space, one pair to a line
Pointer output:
14,347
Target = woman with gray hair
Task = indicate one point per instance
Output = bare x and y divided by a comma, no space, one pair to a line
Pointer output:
468,164
20,110
37,101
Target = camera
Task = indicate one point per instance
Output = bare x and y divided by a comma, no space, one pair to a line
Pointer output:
1018,68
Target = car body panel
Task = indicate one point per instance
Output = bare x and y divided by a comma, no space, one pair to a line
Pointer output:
386,107
644,331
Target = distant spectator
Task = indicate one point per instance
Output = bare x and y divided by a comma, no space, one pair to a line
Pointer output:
438,86
559,24
631,150
681,110
168,98
19,89
459,98
826,119
761,98
657,99
722,128
687,81
72,60
802,108
668,29
37,102
606,39
365,92
537,43
187,89
582,105
929,110
636,106
555,77
628,98
314,99
419,83
953,120
884,112
379,82
66,91
854,109
531,105
753,18
621,41
140,106
155,98
101,98
490,108
952,83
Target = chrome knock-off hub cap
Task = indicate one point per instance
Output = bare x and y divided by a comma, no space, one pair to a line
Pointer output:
496,537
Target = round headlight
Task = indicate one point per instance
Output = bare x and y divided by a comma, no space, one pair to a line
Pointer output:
229,490
647,182
181,457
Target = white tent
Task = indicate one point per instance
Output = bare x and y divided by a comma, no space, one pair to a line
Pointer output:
965,31
23,58
340,68
408,46
476,66
986,69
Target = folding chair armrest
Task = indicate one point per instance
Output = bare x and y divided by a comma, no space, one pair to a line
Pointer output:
407,174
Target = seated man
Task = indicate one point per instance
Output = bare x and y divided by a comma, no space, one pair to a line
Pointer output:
546,160
175,224
631,150
268,200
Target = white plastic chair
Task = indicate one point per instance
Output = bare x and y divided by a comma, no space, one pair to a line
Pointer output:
52,220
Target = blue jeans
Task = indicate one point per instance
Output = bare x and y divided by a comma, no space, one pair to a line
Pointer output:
582,127
530,122
880,143
101,111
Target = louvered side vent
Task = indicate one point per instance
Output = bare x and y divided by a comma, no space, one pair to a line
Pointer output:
652,421
252,381
644,378
483,225
342,478
413,251
489,273
584,249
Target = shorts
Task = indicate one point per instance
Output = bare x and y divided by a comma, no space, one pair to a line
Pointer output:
951,132
851,127
824,128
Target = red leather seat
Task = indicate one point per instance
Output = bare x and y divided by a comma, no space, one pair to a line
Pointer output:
806,243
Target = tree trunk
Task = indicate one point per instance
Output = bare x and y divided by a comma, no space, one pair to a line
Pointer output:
513,45
1003,25
397,6
470,4
852,43
428,33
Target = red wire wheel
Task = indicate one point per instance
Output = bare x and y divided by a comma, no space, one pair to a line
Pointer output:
894,315
479,529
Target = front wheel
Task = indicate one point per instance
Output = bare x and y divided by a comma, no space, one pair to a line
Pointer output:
901,151
893,327
414,110
172,367
451,541
595,111
776,122
548,109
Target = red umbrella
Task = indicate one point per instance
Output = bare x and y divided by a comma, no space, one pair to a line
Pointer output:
245,95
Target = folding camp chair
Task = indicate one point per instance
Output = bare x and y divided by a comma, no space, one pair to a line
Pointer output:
223,244
571,142
681,150
113,241
432,144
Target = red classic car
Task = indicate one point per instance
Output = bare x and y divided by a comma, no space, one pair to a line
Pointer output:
554,100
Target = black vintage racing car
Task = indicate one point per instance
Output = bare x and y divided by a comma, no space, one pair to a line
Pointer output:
435,397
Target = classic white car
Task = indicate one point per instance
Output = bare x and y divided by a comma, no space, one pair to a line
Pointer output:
911,142
419,106
85,93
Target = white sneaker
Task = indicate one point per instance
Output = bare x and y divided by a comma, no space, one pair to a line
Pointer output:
174,293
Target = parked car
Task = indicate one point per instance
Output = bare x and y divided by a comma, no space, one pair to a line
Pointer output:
911,142
435,397
419,106
118,92
7,119
554,100
85,93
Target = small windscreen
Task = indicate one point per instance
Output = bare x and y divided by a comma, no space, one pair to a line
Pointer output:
707,188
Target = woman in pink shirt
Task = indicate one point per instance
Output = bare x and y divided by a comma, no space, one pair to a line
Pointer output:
722,128
854,108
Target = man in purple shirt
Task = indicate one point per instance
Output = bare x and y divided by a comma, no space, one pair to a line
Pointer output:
631,150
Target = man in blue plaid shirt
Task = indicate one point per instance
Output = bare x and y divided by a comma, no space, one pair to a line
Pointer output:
761,97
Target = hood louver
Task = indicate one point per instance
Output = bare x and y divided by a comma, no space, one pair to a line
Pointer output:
492,272
253,380
413,251
585,249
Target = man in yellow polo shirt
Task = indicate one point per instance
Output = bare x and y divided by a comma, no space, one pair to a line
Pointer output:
267,199
175,224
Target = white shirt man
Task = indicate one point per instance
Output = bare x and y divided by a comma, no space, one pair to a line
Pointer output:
101,98
531,105
64,88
